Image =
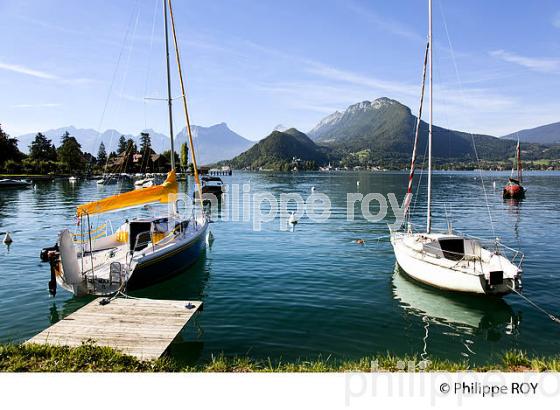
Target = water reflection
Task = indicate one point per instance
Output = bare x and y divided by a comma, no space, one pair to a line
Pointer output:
462,317
188,285
514,209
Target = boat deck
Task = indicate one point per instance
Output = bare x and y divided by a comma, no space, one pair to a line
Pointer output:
142,328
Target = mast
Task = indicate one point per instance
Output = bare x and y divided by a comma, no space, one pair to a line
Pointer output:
416,134
169,99
429,216
184,96
519,176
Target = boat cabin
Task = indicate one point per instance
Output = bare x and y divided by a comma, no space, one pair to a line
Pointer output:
452,247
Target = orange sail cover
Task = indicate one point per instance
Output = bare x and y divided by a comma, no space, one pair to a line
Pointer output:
160,193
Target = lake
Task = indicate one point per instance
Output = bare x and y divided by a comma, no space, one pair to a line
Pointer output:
312,291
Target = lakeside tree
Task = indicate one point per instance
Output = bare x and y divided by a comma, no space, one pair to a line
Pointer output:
184,155
101,154
167,155
131,147
8,149
42,149
70,153
122,145
145,143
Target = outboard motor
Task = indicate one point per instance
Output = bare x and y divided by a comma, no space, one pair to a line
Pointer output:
45,252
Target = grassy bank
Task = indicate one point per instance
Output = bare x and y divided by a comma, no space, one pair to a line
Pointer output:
91,358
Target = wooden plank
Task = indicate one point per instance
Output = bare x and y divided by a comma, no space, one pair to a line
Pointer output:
143,328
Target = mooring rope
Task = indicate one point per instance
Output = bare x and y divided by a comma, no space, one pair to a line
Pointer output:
550,315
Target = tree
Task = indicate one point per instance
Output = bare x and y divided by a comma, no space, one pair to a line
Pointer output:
184,155
101,154
8,148
167,155
131,147
42,149
145,143
122,145
70,153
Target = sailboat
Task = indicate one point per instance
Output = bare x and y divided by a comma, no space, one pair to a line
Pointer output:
514,189
143,250
450,260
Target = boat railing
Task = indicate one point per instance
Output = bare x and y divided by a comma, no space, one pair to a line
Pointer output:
514,255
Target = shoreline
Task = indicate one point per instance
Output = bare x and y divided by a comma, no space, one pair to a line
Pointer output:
91,358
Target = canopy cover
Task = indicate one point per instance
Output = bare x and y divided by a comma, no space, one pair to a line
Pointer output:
160,193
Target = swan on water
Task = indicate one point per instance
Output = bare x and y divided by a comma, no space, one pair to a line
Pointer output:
292,220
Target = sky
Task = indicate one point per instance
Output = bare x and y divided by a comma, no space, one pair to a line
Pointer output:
254,64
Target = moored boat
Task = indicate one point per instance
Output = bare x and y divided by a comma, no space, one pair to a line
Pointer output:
212,185
450,260
514,189
14,183
144,249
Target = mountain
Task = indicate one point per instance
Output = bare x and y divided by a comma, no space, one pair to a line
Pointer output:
88,138
281,128
384,128
545,134
278,150
213,143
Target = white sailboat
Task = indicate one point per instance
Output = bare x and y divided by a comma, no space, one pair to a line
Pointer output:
143,250
450,260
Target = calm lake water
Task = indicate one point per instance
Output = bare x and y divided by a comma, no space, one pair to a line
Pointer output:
313,291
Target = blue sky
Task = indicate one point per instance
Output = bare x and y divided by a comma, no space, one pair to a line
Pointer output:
255,64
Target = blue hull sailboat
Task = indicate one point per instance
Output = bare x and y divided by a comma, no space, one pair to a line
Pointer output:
143,250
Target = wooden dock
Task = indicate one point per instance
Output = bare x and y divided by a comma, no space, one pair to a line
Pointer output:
143,328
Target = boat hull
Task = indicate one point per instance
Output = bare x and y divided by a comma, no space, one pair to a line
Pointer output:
443,277
513,192
157,268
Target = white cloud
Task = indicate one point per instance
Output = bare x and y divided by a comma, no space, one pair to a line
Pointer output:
384,23
41,105
547,65
28,71
16,68
335,74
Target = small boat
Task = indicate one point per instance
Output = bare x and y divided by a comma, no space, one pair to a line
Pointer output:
144,183
514,189
212,185
72,179
448,259
14,183
143,250
107,180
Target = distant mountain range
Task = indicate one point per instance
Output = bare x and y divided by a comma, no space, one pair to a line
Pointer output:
213,143
385,127
379,132
279,150
545,134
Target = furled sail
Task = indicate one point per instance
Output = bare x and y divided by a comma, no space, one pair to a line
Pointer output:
160,193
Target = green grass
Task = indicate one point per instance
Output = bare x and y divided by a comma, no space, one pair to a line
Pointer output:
91,358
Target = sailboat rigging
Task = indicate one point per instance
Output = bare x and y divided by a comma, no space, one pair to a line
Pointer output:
450,260
514,189
143,250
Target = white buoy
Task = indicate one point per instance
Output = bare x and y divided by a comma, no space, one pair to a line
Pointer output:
292,220
8,238
494,184
312,189
357,183
209,238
